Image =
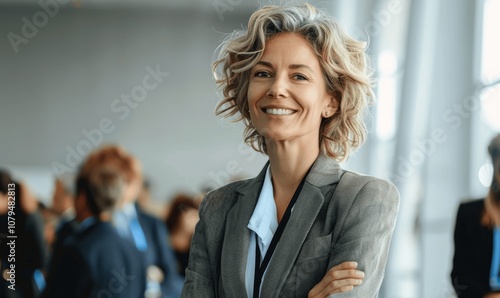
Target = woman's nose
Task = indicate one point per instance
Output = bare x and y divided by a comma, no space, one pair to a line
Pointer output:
278,88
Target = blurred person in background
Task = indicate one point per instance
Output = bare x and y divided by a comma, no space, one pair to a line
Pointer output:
63,206
30,250
303,227
95,261
50,221
144,197
146,202
146,232
476,263
181,220
62,199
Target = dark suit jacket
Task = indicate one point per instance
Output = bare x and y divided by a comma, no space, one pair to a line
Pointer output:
473,251
66,231
97,263
326,228
160,254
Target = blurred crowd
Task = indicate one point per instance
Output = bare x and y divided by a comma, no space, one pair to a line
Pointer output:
97,237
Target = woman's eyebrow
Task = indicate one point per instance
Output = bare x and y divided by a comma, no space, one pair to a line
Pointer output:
265,63
296,66
292,66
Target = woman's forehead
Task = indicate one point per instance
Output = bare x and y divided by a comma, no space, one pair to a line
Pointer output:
291,48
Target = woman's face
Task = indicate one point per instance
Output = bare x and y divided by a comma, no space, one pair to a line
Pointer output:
287,94
181,237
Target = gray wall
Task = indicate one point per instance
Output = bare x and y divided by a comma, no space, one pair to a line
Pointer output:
72,73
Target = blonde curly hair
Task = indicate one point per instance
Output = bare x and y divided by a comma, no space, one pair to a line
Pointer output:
342,59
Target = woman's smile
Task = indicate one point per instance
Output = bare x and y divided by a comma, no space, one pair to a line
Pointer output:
278,111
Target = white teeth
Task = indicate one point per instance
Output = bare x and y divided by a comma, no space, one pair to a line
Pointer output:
279,111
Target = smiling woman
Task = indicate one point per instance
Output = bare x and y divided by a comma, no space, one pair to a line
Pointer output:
303,226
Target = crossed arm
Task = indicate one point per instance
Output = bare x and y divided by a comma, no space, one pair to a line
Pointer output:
357,260
359,255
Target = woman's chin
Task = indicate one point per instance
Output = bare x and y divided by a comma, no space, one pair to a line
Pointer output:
275,137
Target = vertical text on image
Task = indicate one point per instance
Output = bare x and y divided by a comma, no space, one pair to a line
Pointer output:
10,272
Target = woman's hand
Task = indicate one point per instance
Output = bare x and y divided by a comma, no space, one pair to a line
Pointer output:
339,279
492,295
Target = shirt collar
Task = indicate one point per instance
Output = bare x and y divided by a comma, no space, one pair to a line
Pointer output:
122,217
129,210
85,224
324,171
264,221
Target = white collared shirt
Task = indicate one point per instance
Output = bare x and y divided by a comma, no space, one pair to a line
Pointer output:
121,220
263,223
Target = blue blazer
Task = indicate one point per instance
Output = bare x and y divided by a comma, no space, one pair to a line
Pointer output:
97,262
339,216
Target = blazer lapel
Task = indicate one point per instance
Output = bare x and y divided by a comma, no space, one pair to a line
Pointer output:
303,216
324,171
237,236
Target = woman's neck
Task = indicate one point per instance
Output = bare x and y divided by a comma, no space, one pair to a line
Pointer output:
289,162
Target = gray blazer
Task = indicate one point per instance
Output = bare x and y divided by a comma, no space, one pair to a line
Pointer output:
326,228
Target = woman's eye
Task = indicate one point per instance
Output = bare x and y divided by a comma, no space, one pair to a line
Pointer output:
300,77
262,74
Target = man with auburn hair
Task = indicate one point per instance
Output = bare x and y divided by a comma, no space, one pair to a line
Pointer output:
147,233
96,261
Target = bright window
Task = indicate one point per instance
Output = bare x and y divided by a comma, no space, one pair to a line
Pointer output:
490,65
490,103
386,95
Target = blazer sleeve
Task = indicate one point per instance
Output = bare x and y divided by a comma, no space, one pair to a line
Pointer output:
366,234
199,280
463,277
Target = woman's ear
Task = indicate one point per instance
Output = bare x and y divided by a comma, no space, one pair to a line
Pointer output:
331,108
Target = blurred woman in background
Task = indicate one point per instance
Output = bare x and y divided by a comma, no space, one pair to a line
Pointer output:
181,221
476,263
